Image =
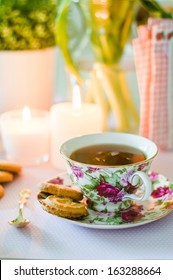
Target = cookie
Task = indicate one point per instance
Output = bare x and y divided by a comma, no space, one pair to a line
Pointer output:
10,166
63,206
2,191
5,177
61,191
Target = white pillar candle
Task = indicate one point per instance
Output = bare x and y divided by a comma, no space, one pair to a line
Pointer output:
25,135
71,119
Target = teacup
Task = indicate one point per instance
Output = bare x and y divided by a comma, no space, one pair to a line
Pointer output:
111,188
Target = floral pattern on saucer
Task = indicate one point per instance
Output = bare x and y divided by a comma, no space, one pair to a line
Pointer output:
157,206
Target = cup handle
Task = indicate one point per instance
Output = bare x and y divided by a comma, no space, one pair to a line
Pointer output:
134,179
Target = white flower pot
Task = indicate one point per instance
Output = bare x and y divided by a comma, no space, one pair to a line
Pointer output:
27,78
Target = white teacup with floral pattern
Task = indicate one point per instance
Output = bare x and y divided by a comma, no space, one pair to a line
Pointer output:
111,188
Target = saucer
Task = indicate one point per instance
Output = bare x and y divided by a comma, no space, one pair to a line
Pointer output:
159,204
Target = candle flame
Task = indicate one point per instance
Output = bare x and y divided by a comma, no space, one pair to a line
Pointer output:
26,114
76,102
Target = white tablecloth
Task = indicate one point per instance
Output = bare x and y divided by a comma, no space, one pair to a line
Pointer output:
50,237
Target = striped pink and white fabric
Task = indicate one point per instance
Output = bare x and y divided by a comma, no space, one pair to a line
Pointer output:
153,53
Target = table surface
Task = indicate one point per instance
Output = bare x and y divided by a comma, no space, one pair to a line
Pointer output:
50,237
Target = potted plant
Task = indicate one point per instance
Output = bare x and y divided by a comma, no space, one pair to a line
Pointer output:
27,53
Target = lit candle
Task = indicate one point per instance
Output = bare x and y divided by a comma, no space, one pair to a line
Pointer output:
70,119
25,135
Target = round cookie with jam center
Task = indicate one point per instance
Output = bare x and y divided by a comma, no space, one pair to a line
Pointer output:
61,191
62,206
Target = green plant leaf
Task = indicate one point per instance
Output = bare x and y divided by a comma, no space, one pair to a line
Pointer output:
62,37
154,8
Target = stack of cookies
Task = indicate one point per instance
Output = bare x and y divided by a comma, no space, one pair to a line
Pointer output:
7,172
61,200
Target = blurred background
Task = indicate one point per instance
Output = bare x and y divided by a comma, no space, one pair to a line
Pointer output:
46,47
